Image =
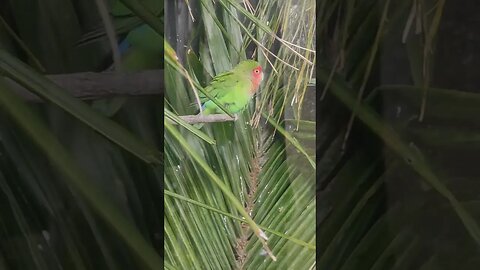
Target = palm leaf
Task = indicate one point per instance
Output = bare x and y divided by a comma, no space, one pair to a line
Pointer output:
202,225
400,195
70,197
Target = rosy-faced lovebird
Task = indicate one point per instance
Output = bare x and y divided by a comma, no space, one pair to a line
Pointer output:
234,88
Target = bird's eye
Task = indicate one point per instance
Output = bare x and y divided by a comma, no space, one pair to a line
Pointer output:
257,71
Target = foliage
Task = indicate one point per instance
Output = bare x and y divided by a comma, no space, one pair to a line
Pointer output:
252,171
406,204
78,190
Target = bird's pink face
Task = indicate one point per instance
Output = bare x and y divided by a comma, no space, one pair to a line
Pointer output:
257,77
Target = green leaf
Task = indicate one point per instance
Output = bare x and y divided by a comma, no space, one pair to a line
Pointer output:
417,162
75,177
46,89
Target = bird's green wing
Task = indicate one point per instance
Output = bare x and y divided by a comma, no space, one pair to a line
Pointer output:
220,85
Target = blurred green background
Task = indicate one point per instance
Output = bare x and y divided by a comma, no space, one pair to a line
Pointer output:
399,185
80,181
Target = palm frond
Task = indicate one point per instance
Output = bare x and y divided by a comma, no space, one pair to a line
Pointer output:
202,225
400,194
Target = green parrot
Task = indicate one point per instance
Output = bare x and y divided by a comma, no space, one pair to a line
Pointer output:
234,88
142,49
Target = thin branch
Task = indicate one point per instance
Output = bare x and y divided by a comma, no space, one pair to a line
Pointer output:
211,118
91,85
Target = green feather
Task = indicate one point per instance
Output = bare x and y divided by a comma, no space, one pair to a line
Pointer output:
146,51
231,89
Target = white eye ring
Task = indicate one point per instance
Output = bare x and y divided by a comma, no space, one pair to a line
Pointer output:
257,71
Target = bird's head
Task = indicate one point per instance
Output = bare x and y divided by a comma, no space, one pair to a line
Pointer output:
254,71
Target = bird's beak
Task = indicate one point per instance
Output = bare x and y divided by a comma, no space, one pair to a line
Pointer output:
263,75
